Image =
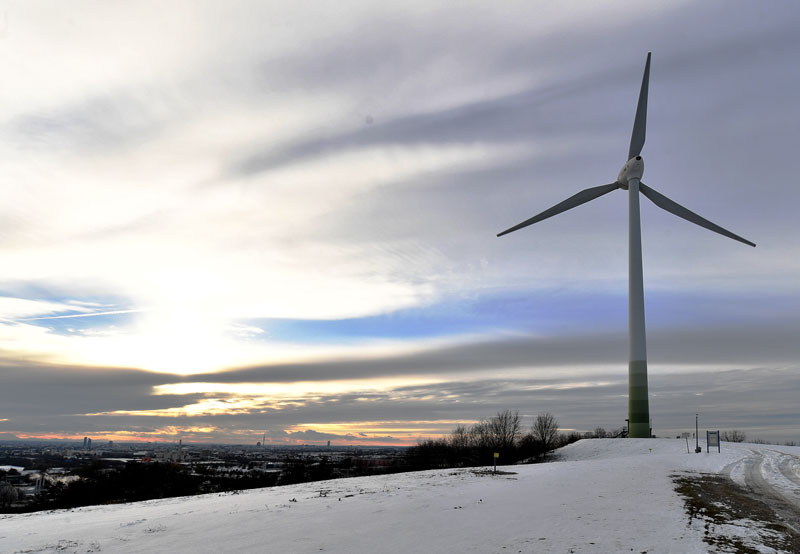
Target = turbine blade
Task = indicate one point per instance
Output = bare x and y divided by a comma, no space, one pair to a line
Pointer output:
575,200
676,209
640,122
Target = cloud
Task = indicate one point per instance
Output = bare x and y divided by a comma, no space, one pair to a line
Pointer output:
318,203
718,345
312,436
15,308
576,380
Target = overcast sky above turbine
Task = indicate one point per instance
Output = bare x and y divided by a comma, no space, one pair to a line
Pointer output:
305,200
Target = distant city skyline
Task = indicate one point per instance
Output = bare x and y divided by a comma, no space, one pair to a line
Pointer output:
273,223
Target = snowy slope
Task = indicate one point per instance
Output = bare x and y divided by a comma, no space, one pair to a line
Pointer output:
602,495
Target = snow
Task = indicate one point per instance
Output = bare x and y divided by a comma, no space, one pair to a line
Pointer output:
599,495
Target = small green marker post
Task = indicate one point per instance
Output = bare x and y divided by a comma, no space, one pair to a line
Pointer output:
496,455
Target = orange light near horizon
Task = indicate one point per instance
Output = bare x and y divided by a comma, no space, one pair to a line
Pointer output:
243,398
296,388
380,427
120,436
391,433
162,435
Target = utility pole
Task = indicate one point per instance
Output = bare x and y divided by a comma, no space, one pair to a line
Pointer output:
696,435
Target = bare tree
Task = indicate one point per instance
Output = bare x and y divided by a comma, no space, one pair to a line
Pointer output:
733,436
545,431
460,437
503,429
479,435
600,433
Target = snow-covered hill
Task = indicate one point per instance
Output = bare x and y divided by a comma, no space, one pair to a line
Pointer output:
601,495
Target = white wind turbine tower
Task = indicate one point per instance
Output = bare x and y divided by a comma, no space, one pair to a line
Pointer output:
629,179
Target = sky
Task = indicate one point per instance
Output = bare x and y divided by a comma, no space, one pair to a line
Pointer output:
255,220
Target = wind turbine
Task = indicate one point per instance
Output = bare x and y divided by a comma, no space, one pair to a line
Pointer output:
629,179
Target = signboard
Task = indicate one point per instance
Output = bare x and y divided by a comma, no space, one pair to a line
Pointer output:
712,440
496,455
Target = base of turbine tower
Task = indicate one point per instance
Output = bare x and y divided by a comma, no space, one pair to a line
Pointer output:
638,405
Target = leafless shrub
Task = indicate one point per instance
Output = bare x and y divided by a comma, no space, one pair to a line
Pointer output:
733,436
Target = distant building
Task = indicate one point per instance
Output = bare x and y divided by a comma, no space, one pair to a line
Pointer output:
84,442
88,444
39,487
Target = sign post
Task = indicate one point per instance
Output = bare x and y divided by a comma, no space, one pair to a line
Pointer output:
686,436
712,440
496,455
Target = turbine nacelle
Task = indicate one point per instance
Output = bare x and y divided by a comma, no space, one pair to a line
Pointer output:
633,169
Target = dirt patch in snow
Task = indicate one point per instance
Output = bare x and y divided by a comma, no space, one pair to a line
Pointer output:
490,472
734,519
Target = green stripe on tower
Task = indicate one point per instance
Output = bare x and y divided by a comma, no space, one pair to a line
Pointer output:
638,405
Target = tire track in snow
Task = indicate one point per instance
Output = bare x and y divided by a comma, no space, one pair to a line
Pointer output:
790,467
756,479
780,470
736,471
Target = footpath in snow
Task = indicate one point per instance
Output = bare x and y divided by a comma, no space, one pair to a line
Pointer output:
599,495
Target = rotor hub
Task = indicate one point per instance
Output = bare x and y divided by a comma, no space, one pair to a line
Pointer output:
633,169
